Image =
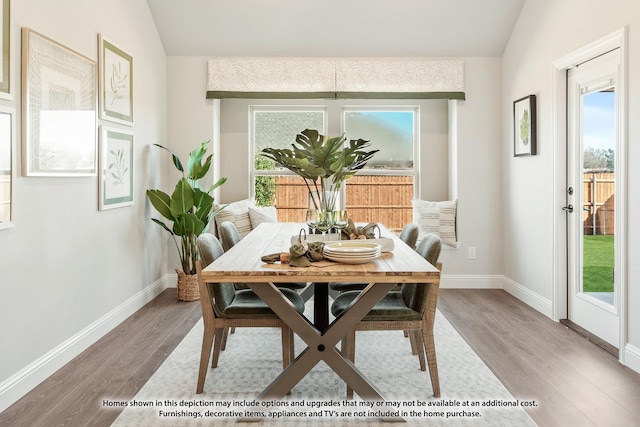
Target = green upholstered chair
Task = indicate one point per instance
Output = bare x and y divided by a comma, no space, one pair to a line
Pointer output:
409,235
412,309
224,307
229,237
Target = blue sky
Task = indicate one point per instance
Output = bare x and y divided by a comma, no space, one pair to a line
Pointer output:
391,132
599,120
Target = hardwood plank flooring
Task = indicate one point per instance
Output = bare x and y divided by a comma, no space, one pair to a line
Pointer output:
573,381
119,365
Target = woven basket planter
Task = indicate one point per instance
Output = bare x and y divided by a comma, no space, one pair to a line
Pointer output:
188,289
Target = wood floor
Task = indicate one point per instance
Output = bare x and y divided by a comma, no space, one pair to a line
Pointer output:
118,365
573,382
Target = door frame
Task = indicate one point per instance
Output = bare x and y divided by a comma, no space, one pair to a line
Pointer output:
617,39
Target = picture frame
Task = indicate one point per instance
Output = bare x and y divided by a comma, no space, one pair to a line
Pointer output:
7,165
5,45
59,109
524,126
116,83
116,168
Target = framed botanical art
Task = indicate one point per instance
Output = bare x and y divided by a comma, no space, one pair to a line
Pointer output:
5,58
59,109
524,126
116,83
116,168
7,165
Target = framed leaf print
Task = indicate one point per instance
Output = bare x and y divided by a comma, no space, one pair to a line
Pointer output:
116,83
59,109
116,173
524,126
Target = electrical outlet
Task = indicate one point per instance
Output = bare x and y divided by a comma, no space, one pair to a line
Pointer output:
472,252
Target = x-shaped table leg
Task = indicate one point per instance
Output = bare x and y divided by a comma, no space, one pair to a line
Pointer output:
321,346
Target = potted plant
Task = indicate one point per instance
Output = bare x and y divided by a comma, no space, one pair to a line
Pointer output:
190,210
323,162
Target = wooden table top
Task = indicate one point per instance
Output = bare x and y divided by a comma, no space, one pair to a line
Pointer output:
243,263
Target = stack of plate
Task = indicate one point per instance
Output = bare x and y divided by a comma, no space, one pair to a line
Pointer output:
351,251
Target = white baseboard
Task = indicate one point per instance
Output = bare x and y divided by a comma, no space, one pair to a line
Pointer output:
632,357
26,379
526,295
468,281
497,281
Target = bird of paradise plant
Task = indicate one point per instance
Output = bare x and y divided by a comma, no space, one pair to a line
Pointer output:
189,207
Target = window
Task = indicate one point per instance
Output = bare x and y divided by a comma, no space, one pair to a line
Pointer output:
381,192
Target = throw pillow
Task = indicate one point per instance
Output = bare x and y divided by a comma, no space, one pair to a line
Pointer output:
438,218
237,213
261,214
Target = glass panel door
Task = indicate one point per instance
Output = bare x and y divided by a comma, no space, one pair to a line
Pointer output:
592,139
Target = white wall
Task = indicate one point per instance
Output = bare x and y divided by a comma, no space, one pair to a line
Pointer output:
479,176
548,30
65,264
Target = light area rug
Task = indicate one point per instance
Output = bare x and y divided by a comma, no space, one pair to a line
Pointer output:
252,360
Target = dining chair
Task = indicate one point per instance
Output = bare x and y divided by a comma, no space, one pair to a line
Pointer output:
412,309
409,235
229,237
225,307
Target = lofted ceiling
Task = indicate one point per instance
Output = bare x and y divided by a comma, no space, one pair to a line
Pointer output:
335,28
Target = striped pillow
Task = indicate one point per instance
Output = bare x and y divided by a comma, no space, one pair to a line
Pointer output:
438,218
237,213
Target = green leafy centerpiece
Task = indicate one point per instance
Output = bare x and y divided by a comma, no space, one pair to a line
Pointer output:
190,210
323,162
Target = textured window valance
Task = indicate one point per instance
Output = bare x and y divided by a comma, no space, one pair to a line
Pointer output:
358,78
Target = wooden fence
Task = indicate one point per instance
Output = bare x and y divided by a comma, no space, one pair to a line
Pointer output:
599,203
387,200
382,199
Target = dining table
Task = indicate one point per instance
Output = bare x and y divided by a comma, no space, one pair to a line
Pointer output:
243,264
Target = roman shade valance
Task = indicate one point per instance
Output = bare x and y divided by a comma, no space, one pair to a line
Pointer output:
356,78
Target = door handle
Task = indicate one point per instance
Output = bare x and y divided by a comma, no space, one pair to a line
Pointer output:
568,208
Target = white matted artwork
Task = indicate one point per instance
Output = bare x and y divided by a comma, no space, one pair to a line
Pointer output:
116,175
116,83
7,165
5,48
59,109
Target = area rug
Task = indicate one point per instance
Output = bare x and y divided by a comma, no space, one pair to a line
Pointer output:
470,394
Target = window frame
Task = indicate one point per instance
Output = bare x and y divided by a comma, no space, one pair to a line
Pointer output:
334,118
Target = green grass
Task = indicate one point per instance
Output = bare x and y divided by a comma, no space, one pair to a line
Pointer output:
598,264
